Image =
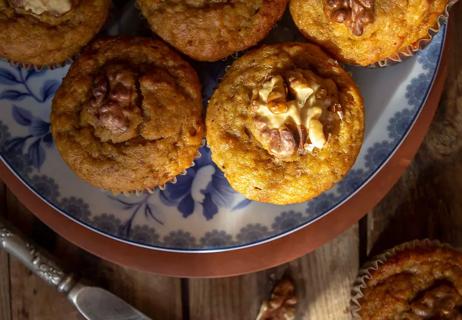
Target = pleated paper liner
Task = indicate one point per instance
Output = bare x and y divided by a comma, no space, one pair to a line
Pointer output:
68,61
419,45
366,271
172,181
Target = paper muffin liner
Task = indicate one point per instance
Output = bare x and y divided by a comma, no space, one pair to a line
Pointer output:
174,180
22,65
419,44
365,272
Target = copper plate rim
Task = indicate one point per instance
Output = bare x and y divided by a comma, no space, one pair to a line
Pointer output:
251,259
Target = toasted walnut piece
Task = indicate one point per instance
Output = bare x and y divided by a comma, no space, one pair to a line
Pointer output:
282,142
355,14
316,133
53,7
281,305
273,89
112,108
440,302
338,109
300,88
99,90
112,118
278,106
107,109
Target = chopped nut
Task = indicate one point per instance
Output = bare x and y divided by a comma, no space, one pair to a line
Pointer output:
338,109
281,305
38,7
316,133
113,119
355,14
277,94
314,113
300,88
274,87
282,142
278,107
321,93
99,90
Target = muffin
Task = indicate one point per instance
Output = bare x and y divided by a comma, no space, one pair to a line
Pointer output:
47,33
285,123
417,280
127,116
366,32
209,30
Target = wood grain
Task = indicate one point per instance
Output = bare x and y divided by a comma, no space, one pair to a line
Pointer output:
158,297
326,276
31,298
323,281
427,200
5,309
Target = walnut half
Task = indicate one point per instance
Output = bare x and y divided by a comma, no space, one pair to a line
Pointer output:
112,109
355,14
281,305
38,7
290,111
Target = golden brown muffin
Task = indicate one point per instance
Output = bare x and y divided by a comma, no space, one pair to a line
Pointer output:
424,282
365,32
209,30
47,33
285,124
127,116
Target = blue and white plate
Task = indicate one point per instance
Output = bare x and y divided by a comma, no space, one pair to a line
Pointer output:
201,213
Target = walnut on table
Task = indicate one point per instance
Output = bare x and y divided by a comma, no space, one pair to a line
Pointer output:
281,305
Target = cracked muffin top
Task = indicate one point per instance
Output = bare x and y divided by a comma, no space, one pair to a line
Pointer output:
365,32
285,123
127,116
209,30
418,283
48,32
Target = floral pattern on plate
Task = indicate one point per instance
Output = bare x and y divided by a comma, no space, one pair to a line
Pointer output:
200,212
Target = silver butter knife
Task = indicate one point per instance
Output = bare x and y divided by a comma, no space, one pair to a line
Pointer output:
93,303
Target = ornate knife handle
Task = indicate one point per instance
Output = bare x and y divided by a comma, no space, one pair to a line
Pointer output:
35,260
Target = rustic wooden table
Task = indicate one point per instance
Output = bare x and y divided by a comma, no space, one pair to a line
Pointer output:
426,202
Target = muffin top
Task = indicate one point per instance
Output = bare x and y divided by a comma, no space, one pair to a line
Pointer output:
365,32
424,282
46,33
285,123
127,116
210,30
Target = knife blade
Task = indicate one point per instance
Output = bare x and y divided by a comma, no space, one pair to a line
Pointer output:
98,304
93,303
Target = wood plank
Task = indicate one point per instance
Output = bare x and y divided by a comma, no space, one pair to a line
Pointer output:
323,281
427,201
31,298
326,277
158,297
5,302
